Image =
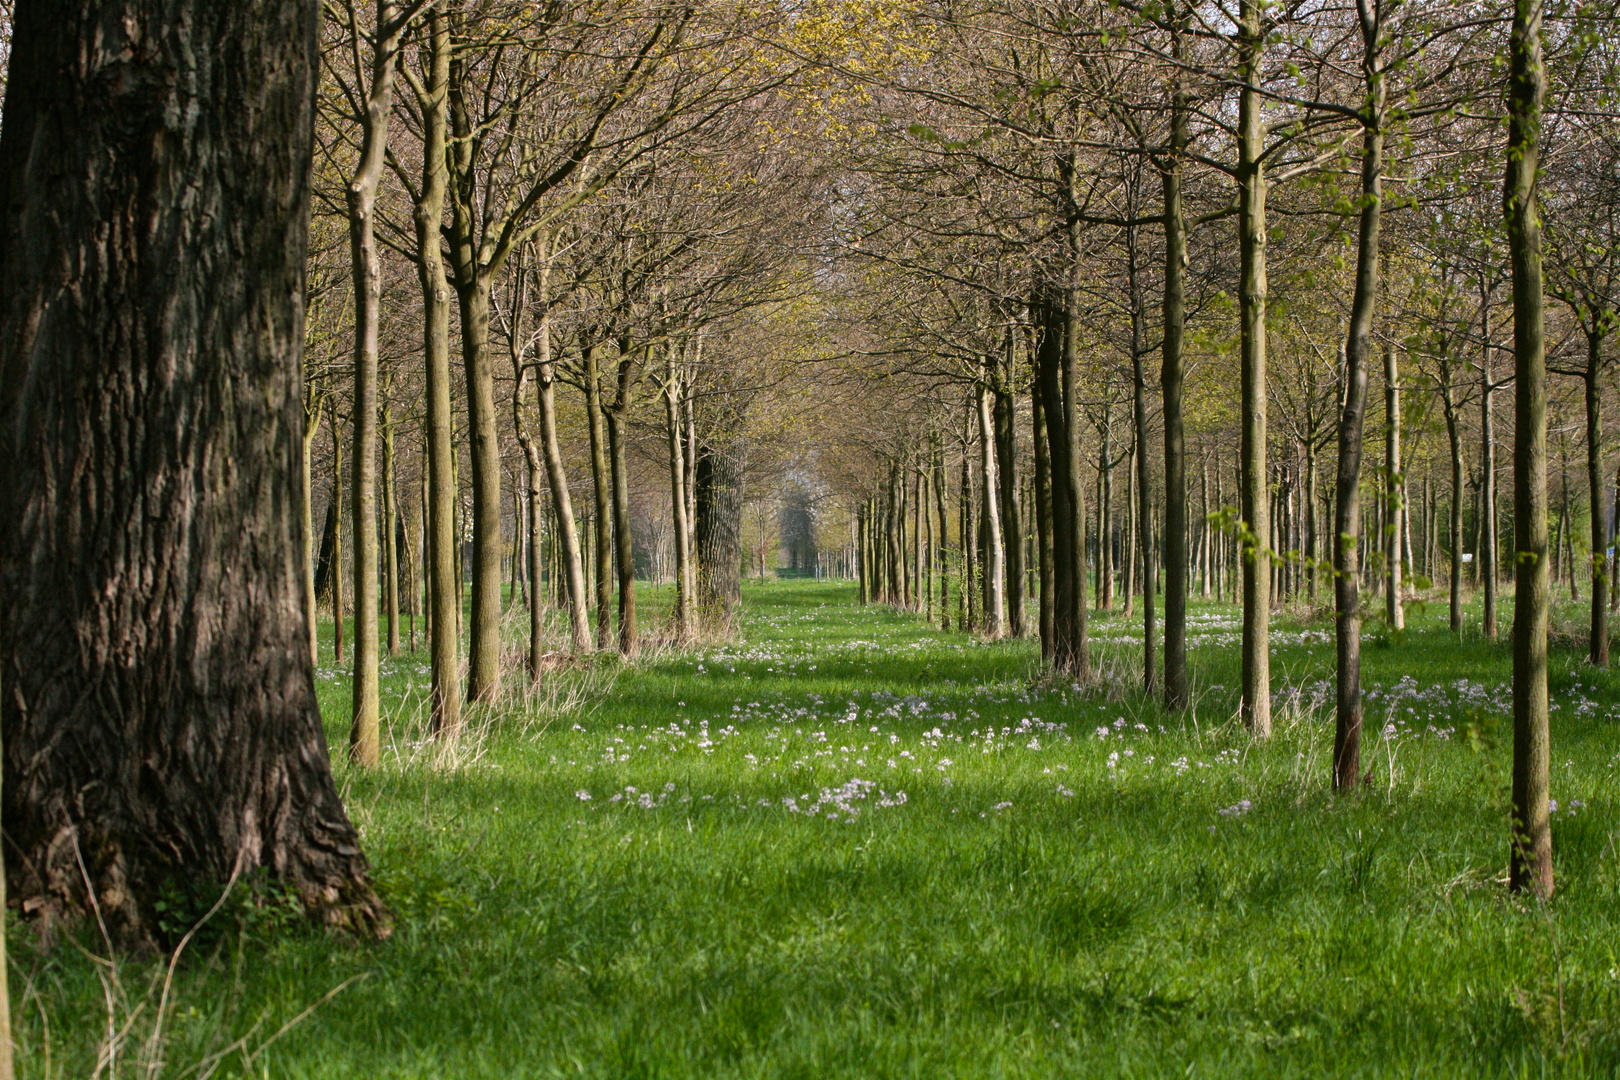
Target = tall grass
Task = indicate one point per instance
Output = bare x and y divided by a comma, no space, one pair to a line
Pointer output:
849,845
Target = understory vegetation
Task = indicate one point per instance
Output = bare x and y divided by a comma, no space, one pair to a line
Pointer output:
849,844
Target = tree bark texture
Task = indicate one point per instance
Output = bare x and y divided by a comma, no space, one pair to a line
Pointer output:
1172,381
361,198
623,551
995,597
601,483
1530,866
719,485
1347,537
1254,498
1598,645
160,721
1012,530
444,583
1394,492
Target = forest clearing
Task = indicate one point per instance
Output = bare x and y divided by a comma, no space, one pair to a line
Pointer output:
850,845
809,538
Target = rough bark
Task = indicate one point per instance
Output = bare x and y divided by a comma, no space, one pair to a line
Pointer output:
1530,866
160,722
719,505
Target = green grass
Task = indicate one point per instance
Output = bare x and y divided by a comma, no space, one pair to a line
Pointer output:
1169,900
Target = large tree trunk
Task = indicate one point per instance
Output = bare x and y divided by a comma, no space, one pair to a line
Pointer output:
444,583
1530,847
1256,674
1347,538
160,720
719,507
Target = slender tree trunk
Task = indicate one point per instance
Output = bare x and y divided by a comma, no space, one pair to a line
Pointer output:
1256,672
1206,555
601,481
1395,490
338,604
161,725
940,485
1455,528
1348,539
677,502
1485,549
1598,650
1012,528
390,537
1312,543
990,516
444,587
1172,380
1530,849
624,553
972,595
573,566
484,629
361,197
312,425
1144,490
1043,517
1105,517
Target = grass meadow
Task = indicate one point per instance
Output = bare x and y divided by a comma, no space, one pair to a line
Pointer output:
850,845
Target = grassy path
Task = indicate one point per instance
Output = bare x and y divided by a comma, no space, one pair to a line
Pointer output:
853,846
